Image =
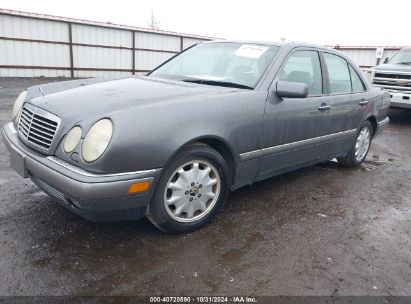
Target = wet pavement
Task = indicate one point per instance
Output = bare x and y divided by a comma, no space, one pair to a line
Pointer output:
323,230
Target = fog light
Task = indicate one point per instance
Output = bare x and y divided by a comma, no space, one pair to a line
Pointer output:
138,187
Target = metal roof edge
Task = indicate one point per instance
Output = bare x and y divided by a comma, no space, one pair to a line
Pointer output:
98,23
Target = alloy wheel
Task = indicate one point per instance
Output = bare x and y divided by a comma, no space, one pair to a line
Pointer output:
362,144
192,191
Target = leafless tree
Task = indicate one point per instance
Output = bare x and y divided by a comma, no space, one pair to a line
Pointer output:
154,22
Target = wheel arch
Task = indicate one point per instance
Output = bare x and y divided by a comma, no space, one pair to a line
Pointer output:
218,144
373,121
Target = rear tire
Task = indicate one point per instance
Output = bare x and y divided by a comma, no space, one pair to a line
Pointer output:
361,146
191,190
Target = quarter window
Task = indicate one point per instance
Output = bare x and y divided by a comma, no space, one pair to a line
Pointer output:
357,84
339,76
304,67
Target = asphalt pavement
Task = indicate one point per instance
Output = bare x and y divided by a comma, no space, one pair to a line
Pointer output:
322,230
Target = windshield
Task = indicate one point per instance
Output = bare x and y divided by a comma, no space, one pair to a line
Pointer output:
221,63
402,57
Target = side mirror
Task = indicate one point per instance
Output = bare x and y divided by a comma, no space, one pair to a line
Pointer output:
292,89
386,59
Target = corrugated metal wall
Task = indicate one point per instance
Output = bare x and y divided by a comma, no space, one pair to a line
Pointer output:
39,45
365,57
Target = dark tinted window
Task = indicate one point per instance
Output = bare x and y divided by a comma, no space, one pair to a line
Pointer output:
304,67
340,81
357,84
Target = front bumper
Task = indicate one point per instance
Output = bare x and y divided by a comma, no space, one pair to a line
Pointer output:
97,197
381,125
400,100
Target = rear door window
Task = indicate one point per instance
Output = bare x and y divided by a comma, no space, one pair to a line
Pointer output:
339,76
357,84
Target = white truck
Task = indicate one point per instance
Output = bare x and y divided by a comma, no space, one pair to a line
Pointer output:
394,75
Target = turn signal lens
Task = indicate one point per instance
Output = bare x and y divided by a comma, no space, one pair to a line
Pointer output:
138,187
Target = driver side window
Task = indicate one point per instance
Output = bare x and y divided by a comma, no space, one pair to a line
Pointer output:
304,67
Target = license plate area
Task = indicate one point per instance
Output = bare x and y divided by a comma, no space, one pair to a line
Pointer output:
17,161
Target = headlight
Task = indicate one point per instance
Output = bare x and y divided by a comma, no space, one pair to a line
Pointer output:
18,104
72,139
97,140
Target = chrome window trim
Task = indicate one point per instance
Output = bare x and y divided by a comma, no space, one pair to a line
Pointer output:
83,172
294,145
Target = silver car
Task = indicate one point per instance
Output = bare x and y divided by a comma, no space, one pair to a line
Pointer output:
173,144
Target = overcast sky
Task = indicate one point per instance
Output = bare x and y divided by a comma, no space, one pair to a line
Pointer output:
346,22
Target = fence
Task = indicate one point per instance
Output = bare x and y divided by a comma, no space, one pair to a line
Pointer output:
42,45
365,56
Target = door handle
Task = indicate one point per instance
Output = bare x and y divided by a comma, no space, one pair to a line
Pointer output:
363,102
324,107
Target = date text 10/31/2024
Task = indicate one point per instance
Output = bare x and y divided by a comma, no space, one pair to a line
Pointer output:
206,299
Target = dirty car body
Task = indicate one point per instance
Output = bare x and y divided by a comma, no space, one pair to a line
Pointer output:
276,113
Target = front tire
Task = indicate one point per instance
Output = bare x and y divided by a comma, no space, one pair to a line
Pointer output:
191,190
359,151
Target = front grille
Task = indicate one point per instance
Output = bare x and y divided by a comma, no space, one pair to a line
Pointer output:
38,127
394,76
393,81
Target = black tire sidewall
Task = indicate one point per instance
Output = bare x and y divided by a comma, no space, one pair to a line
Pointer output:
157,212
365,124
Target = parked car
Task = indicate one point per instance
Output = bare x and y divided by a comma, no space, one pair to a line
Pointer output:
173,144
394,75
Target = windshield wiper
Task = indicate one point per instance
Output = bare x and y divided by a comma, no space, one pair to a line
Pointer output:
218,83
405,62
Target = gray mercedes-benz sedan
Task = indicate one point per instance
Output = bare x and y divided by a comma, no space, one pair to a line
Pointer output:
172,145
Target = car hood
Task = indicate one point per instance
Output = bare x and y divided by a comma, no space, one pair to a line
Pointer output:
91,99
402,68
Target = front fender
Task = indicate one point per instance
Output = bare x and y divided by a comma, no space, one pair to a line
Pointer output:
149,137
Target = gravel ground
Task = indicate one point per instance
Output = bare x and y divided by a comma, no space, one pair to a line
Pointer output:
323,230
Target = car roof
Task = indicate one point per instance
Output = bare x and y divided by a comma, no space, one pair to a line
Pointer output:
288,46
273,43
